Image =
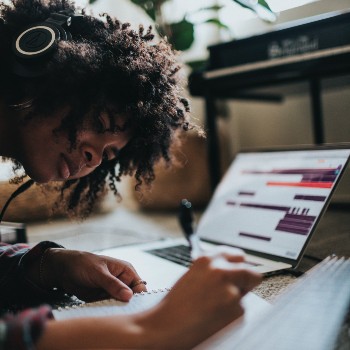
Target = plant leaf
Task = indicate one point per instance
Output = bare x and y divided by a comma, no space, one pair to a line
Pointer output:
244,4
265,4
211,8
217,22
261,8
182,34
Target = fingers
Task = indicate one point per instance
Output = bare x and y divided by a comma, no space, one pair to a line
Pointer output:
245,280
114,287
120,279
138,286
228,268
228,253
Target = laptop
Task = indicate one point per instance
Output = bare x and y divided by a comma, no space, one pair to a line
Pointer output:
268,204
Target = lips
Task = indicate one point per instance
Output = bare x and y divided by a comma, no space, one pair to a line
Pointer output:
64,169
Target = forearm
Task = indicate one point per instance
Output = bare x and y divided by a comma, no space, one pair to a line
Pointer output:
155,329
118,332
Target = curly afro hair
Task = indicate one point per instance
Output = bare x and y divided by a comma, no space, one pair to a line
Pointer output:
106,67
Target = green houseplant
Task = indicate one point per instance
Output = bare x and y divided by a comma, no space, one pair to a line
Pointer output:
181,33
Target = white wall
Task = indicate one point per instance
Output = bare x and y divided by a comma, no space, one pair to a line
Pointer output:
246,24
124,10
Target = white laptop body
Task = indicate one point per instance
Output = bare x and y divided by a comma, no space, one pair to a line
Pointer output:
268,204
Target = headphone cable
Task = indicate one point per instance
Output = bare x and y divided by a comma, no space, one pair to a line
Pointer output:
19,190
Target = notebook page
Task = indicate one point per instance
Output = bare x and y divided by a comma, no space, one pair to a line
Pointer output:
253,306
109,307
308,316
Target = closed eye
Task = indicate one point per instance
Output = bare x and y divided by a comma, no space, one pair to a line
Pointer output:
110,154
105,156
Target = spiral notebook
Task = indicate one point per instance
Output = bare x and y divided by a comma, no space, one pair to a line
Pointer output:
109,307
309,315
141,302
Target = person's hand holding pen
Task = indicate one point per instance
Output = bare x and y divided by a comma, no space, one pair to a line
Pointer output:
223,257
206,298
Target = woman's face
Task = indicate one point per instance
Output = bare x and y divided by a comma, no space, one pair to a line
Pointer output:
48,156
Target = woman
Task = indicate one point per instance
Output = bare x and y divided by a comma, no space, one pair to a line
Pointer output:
83,102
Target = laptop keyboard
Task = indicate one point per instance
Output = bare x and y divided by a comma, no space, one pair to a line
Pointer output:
181,254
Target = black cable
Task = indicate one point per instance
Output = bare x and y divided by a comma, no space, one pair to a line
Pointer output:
19,190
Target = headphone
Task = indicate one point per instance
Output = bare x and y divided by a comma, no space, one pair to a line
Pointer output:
36,43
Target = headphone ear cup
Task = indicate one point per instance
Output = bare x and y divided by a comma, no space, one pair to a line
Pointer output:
35,45
37,41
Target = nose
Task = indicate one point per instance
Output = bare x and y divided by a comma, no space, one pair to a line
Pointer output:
92,157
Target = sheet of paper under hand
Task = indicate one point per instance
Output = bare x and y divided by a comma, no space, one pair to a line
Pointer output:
308,316
109,307
140,302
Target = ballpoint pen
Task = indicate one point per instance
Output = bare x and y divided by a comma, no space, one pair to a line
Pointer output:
186,222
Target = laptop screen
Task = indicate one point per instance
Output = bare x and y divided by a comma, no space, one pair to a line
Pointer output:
269,202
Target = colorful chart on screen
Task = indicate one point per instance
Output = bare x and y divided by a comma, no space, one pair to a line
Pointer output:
270,201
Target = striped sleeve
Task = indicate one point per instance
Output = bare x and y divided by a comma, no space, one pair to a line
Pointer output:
21,331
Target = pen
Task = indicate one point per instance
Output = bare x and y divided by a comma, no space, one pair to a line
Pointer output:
186,222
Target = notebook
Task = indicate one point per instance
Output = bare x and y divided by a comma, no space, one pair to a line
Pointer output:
142,301
308,315
268,204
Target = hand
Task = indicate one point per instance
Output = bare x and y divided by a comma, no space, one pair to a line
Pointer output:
203,301
90,276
